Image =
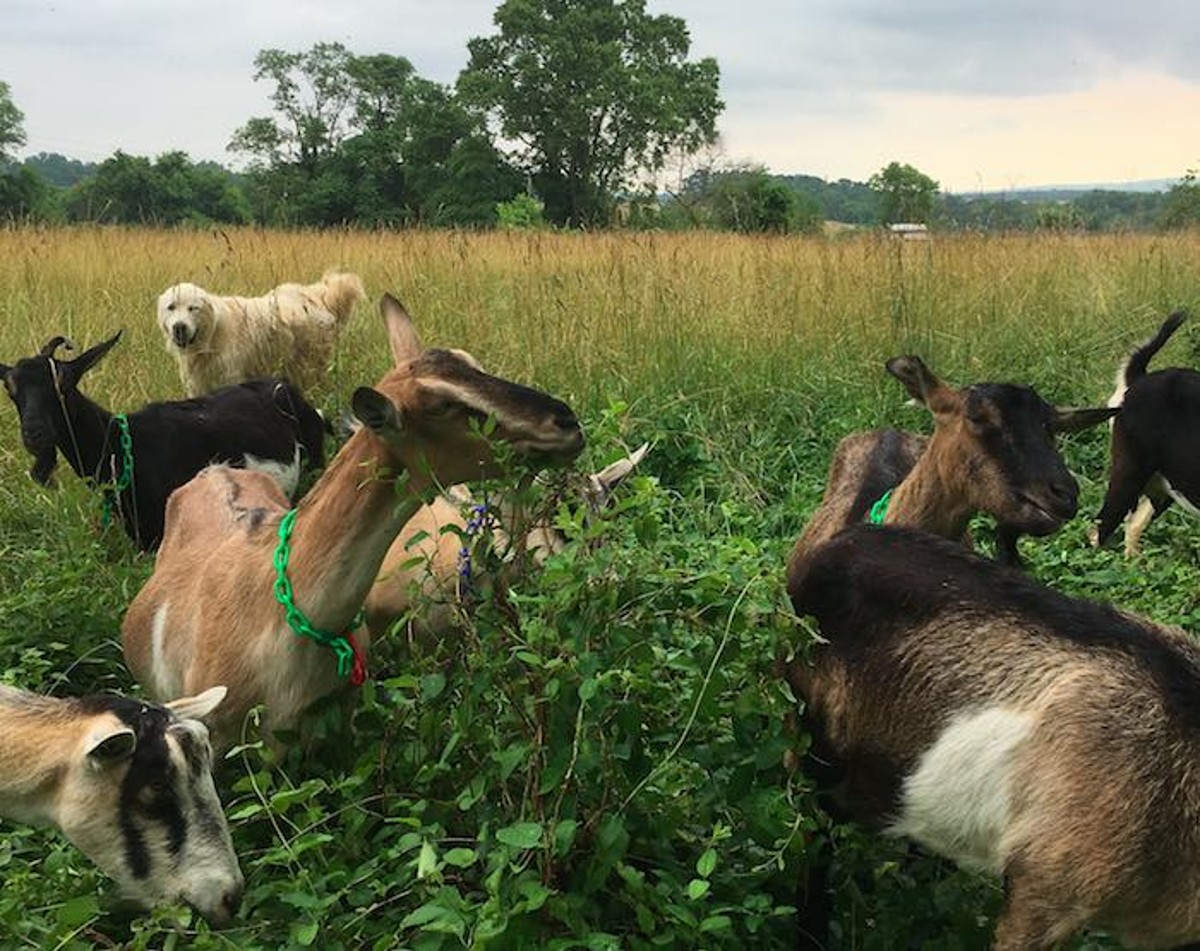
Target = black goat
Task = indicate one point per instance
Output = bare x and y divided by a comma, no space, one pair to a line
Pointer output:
1155,440
264,424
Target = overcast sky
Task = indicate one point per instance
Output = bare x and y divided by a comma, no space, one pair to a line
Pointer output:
978,94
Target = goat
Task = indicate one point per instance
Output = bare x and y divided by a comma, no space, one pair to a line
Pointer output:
220,340
992,450
1155,447
425,564
208,613
1050,740
130,784
263,424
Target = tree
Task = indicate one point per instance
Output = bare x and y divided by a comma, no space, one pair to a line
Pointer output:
1183,202
749,199
365,139
12,130
905,194
593,93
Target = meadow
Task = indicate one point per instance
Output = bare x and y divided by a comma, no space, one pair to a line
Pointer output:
598,761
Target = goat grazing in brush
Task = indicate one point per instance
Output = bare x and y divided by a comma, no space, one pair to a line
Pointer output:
291,330
1048,740
1155,442
429,563
130,784
239,576
139,459
992,450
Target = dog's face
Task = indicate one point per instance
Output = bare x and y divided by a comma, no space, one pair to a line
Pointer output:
185,316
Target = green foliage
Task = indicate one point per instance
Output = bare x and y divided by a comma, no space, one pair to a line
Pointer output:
905,194
24,195
594,92
749,200
1183,202
130,189
58,170
522,213
12,130
364,139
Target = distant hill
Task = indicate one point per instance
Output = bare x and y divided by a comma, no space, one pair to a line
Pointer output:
1068,192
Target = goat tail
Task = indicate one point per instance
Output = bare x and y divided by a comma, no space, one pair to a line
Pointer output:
1139,360
343,291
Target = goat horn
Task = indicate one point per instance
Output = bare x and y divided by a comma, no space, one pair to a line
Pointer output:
54,343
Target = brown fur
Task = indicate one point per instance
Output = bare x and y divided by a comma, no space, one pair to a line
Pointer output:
1102,828
214,574
990,451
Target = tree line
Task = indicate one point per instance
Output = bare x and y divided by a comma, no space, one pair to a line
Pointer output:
573,113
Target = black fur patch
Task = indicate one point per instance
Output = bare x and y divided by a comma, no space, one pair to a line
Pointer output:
889,464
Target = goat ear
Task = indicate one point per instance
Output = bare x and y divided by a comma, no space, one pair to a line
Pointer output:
922,385
112,745
89,358
199,706
5,372
1069,419
376,411
402,335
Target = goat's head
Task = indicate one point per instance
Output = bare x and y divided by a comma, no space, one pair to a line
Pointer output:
137,797
40,387
186,316
995,442
433,408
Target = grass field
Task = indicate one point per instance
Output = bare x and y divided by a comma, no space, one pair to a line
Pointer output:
600,768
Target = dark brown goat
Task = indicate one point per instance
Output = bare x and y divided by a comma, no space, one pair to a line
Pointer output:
1049,740
1155,441
992,450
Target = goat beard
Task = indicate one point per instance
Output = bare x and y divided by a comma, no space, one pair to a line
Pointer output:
43,466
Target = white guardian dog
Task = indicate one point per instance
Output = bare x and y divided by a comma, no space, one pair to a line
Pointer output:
289,331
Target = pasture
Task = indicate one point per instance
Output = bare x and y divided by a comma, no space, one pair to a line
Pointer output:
598,761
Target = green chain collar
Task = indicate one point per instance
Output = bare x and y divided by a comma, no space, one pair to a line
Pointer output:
879,510
349,658
124,476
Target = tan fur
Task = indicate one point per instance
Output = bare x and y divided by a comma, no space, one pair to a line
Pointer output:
54,771
214,574
423,566
290,331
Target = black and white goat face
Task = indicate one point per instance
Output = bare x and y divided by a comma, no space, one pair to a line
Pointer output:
39,387
138,799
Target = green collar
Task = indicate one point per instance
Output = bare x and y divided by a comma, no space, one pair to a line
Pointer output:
879,510
349,658
123,474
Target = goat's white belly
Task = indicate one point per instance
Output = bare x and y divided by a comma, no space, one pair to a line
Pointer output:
285,473
958,801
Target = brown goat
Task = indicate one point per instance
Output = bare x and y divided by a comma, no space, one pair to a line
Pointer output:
992,450
425,564
208,614
1049,740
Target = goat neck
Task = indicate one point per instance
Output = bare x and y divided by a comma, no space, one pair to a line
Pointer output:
934,496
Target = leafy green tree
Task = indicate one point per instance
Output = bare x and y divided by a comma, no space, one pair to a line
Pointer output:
58,170
1183,202
365,139
130,189
12,129
594,93
905,194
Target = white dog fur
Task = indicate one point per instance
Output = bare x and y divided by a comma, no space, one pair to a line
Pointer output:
290,331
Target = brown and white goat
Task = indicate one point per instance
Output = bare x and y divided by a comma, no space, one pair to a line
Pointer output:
1155,442
208,614
429,562
130,784
992,450
1049,740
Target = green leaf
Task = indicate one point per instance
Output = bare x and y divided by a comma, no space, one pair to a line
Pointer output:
706,863
521,835
427,861
305,934
460,858
75,911
432,685
697,888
